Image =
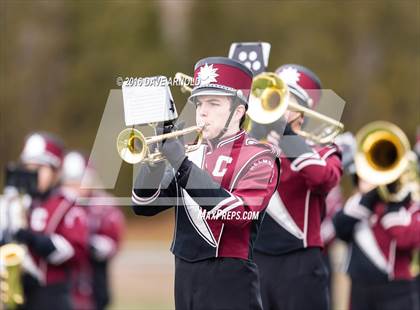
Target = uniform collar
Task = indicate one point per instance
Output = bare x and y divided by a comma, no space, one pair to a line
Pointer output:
215,144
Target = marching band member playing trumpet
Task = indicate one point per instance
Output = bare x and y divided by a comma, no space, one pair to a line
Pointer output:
288,248
56,236
214,191
382,232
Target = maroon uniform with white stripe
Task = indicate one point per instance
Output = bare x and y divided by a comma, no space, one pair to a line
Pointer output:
334,202
220,193
106,223
383,242
66,225
382,238
295,212
247,172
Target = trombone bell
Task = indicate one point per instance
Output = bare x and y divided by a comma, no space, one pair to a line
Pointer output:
381,155
269,98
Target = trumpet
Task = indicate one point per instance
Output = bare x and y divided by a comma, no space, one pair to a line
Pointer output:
133,147
270,101
383,157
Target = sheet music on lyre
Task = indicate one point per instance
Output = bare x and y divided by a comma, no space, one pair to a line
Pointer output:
148,101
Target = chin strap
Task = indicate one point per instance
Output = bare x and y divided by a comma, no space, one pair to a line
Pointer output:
224,130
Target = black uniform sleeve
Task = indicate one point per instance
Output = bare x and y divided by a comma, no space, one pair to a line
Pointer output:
155,190
200,186
39,243
357,208
258,131
292,144
344,226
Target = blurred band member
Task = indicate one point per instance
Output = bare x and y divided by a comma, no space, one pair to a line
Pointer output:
335,201
106,222
56,236
214,192
288,248
382,236
417,152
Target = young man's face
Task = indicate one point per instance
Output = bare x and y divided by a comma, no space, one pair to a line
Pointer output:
295,118
47,176
213,112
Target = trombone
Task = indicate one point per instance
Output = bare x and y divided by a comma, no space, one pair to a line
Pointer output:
383,157
184,81
133,147
269,101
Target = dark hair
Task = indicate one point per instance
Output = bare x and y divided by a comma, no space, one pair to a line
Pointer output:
242,121
238,102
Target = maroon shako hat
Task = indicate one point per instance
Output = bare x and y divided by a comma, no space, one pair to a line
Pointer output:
302,82
222,76
43,149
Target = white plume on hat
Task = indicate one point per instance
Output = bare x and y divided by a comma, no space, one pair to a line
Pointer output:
76,169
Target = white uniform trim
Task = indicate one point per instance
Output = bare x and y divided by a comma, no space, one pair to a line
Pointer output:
327,230
305,156
244,166
144,201
392,254
104,246
309,162
236,137
305,224
354,209
63,250
278,212
194,213
192,208
328,153
218,241
309,159
398,218
366,241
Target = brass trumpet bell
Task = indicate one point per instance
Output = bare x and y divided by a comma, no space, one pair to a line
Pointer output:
381,153
133,147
